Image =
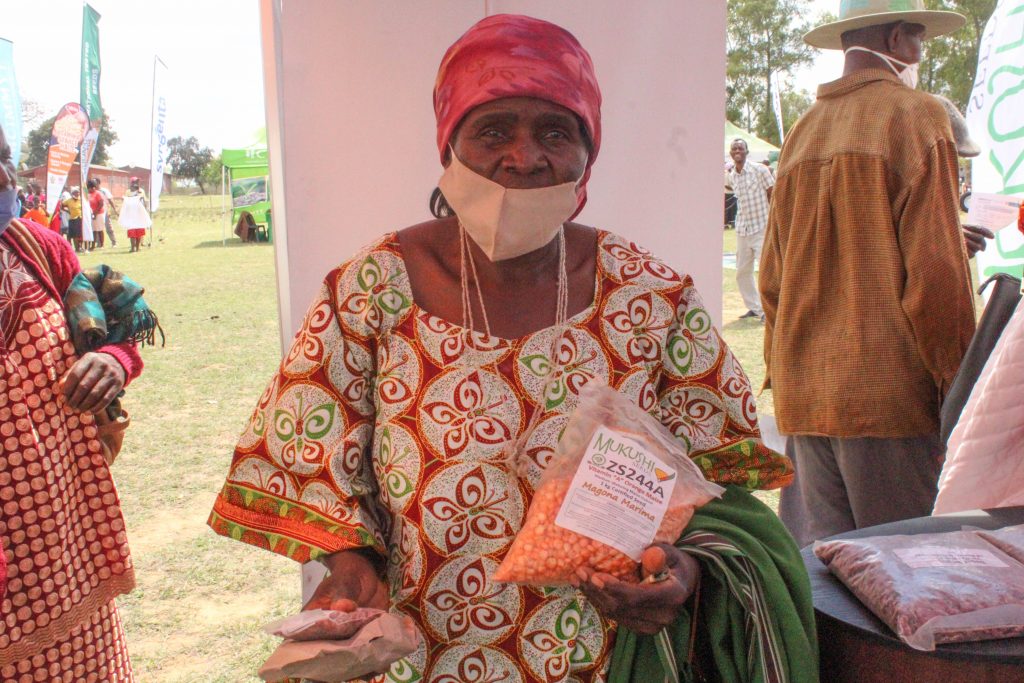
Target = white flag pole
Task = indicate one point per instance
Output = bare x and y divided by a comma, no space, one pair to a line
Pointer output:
152,124
156,161
223,210
777,105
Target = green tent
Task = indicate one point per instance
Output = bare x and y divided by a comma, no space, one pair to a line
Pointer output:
246,177
759,149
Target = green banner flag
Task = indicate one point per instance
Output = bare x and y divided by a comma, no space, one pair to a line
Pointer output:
91,64
247,157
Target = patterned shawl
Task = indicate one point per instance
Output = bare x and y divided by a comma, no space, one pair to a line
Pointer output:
105,307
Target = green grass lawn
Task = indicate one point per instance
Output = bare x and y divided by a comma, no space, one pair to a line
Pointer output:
201,600
746,338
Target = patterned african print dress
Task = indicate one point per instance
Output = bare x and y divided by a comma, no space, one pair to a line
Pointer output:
384,426
61,525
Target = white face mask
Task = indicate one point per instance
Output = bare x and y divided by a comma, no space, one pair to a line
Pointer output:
506,222
909,73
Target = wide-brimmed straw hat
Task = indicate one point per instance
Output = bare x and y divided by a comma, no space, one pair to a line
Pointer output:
854,14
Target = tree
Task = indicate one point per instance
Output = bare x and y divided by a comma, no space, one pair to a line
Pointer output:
951,62
794,104
765,36
38,142
107,138
212,172
188,160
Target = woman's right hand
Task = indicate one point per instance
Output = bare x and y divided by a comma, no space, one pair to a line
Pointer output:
353,577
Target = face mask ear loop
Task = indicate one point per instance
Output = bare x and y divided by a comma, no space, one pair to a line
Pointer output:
885,58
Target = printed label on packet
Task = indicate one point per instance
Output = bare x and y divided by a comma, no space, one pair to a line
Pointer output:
938,556
619,494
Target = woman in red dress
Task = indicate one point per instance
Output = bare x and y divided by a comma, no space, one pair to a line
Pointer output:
61,528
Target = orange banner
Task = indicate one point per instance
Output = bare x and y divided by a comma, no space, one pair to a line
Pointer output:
68,130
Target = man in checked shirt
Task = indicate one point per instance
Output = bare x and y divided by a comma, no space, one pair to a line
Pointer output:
752,185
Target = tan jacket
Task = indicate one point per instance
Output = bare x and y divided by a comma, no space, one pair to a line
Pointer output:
864,276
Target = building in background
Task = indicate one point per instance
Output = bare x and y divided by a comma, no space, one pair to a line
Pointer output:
114,179
142,173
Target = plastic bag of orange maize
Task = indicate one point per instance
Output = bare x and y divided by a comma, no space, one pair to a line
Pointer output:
617,482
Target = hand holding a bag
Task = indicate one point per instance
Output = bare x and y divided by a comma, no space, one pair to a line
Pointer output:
670,577
352,577
352,582
93,382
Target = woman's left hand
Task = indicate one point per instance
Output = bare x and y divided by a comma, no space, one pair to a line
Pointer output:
644,607
93,382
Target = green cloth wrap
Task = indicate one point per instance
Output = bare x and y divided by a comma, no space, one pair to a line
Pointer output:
755,614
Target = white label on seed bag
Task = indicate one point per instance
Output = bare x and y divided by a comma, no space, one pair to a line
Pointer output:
938,556
619,494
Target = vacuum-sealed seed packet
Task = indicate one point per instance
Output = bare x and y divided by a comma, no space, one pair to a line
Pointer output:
932,588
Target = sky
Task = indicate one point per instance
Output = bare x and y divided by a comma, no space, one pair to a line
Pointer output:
211,49
828,65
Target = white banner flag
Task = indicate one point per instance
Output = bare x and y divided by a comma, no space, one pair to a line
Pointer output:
10,100
995,115
158,149
88,148
777,104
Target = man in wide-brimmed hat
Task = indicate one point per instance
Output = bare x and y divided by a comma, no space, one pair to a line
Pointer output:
864,276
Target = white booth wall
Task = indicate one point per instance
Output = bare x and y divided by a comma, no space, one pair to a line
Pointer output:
351,132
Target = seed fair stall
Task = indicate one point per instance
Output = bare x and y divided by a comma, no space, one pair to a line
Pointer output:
245,174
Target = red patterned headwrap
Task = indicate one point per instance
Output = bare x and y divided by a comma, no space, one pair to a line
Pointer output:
510,55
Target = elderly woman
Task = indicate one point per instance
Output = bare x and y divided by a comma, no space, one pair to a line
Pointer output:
403,438
61,529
